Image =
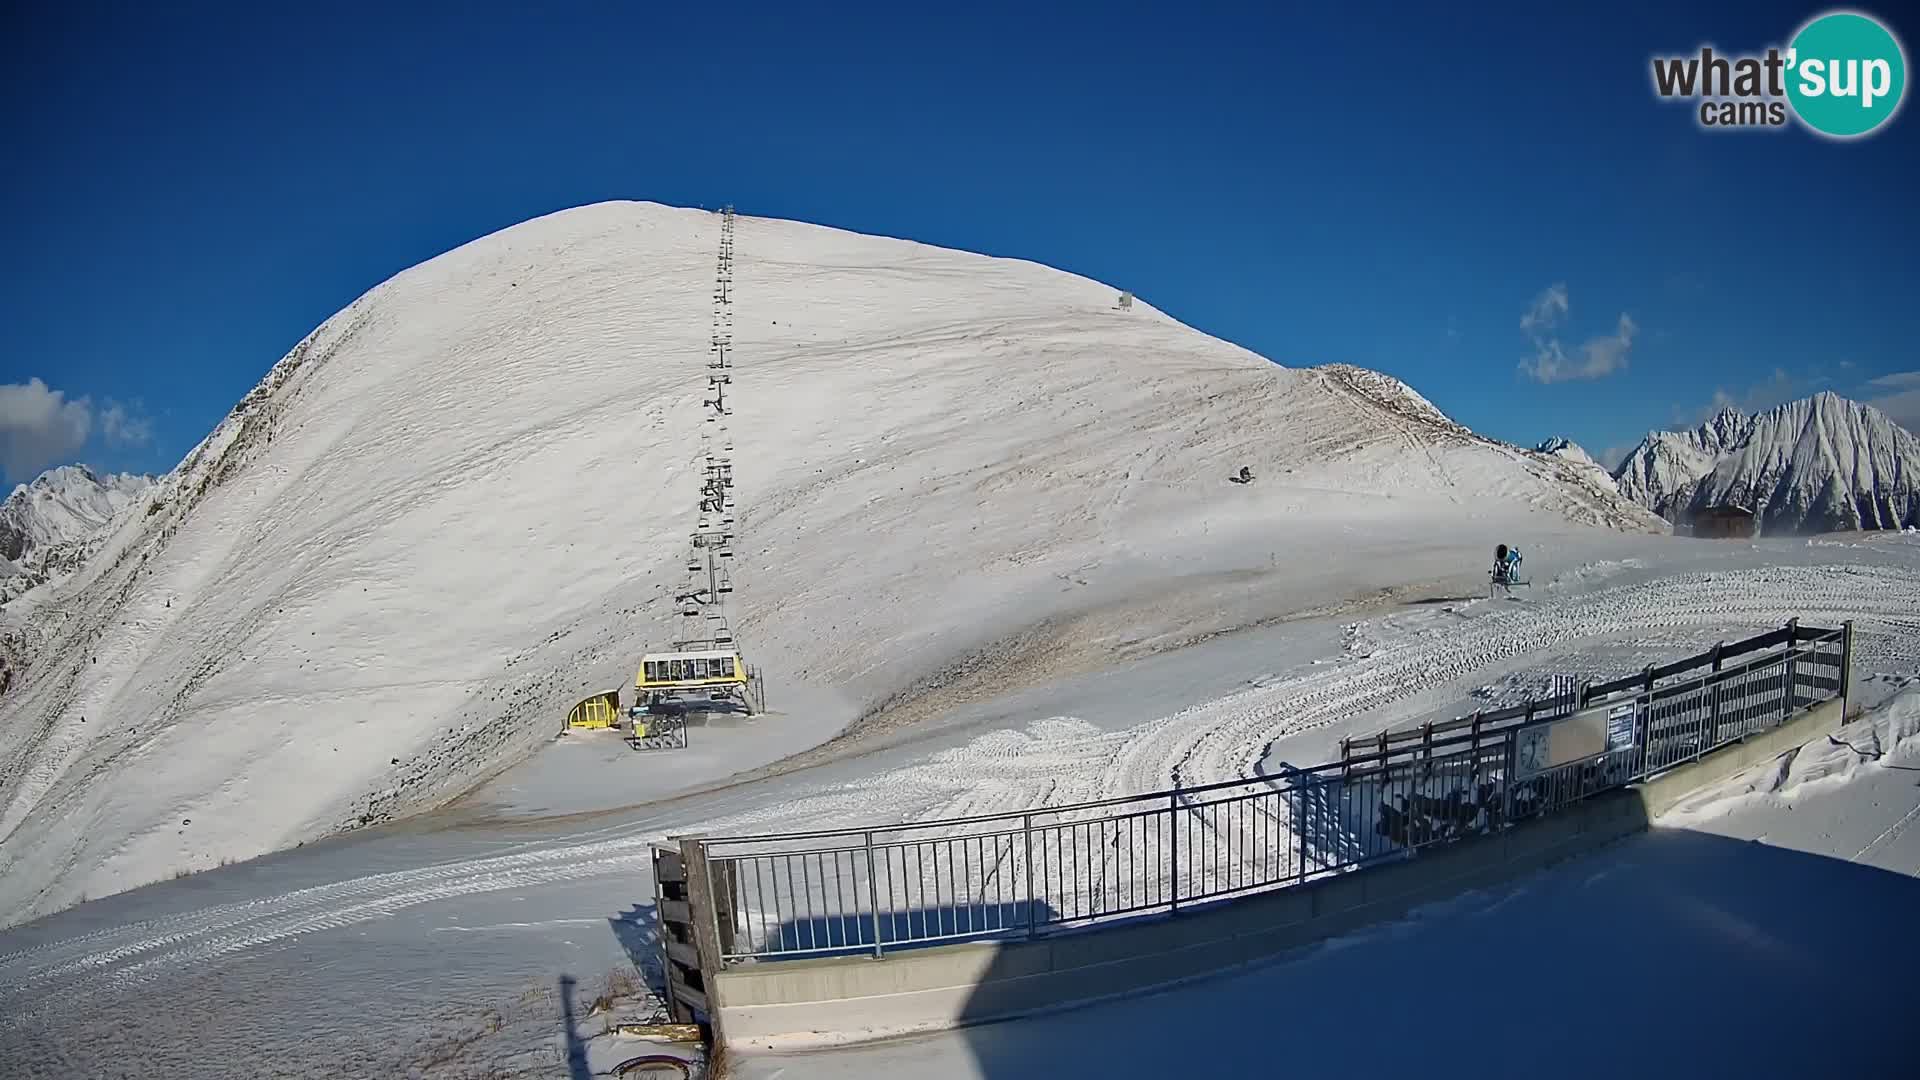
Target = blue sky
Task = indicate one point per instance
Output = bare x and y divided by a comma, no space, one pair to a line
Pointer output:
191,190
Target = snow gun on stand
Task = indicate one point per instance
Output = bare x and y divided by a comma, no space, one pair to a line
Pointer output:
1506,570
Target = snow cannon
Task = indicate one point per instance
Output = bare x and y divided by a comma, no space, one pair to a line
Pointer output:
1506,570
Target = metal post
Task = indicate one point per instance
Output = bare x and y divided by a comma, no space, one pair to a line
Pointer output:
1173,828
1506,795
1300,822
1711,736
1791,691
1026,831
1846,666
704,907
873,895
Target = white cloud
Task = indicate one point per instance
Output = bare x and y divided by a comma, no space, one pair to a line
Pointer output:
124,427
1552,362
1898,395
1548,309
39,427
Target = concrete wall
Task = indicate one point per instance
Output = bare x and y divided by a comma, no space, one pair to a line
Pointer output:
794,1003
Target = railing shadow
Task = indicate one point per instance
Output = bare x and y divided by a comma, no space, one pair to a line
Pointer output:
852,934
638,932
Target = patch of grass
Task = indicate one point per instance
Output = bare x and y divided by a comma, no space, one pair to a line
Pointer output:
620,985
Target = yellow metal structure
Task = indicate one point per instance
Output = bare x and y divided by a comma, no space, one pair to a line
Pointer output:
602,710
682,680
699,670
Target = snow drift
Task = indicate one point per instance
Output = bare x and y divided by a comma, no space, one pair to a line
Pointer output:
462,503
1820,464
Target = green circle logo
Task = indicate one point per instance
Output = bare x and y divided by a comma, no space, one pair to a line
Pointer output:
1846,74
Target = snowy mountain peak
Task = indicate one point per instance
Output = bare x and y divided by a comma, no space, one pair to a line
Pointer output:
1568,449
63,505
1575,455
1819,464
1724,431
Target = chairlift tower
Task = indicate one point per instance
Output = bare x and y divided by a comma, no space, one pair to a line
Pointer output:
703,601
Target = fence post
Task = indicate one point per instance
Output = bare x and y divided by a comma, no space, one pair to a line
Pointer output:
1712,734
873,895
1300,821
1426,751
1513,761
705,909
1173,829
1346,760
1792,691
1026,830
1473,774
1846,667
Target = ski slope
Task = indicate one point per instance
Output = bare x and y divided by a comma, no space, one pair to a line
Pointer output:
460,504
379,941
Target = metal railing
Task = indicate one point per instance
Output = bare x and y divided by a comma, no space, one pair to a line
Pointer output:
850,891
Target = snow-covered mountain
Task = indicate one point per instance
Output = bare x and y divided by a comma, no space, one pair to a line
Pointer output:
1820,464
1567,449
463,503
47,527
1574,454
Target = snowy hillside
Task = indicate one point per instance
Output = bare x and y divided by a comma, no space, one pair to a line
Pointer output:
1819,464
46,526
462,503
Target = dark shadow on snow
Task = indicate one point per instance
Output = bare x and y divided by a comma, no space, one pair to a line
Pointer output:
1673,953
638,932
851,935
577,1068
